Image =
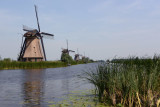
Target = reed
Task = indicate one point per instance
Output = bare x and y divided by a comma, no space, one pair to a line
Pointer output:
129,82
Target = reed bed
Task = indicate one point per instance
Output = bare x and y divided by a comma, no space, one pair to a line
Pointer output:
130,82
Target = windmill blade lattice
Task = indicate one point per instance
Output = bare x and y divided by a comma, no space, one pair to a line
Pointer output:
37,18
47,35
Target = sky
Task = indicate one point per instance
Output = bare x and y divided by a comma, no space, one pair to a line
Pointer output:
102,29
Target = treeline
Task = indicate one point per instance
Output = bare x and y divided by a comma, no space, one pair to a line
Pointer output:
68,59
148,62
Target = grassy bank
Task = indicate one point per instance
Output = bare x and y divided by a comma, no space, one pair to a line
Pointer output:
8,64
128,82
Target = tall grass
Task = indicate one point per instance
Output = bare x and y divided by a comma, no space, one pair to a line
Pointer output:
131,82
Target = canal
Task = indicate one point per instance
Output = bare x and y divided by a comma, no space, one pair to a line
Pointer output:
38,87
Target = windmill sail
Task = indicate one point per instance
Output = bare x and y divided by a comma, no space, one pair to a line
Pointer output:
71,51
47,35
37,18
26,28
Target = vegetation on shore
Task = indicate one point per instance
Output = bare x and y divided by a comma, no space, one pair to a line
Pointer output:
79,98
128,82
7,63
66,58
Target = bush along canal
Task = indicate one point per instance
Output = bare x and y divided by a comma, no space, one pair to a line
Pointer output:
51,87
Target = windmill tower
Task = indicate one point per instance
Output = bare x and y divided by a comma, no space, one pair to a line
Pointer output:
33,47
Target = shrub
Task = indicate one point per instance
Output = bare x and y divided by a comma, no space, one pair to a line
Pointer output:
66,58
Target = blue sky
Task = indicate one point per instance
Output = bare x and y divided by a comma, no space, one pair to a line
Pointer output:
101,28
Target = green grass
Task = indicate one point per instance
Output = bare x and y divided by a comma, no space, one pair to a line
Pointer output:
30,65
8,64
128,82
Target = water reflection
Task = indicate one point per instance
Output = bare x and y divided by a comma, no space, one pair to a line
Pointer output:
39,87
65,81
33,87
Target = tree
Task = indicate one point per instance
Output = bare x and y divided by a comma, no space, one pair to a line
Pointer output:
7,59
66,58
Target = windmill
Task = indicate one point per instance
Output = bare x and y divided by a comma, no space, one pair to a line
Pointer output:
65,57
33,46
67,51
83,56
76,56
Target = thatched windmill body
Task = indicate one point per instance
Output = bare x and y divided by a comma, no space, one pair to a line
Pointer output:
33,47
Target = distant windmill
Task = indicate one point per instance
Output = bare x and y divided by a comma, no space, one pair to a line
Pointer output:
65,57
33,47
67,51
83,56
85,59
76,56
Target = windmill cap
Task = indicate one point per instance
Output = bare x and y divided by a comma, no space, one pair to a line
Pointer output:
31,33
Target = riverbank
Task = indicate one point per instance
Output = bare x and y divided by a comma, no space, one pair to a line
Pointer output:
34,65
